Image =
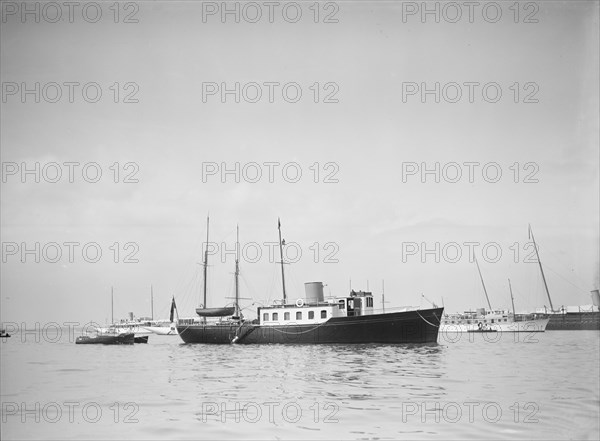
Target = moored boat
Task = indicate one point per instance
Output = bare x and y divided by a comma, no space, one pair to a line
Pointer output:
315,320
106,339
161,327
482,320
574,318
311,320
124,326
570,318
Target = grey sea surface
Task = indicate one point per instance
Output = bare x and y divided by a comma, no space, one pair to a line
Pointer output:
509,386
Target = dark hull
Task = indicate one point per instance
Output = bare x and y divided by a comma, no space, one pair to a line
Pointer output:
574,321
141,339
121,339
399,327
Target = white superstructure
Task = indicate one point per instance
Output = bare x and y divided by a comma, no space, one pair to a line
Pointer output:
490,321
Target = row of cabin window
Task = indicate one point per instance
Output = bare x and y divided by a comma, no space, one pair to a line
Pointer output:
286,315
342,303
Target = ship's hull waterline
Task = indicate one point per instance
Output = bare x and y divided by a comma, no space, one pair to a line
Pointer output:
574,321
419,326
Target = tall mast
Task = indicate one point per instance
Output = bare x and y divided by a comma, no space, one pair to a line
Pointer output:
541,269
511,297
112,315
237,273
281,254
205,263
383,295
152,302
484,290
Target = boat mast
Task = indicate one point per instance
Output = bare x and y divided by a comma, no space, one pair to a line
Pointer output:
511,297
541,269
484,290
152,302
383,295
281,254
237,273
205,264
112,314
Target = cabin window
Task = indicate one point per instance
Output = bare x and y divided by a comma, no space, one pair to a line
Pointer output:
341,305
311,315
492,320
266,317
286,315
369,302
323,313
298,315
275,316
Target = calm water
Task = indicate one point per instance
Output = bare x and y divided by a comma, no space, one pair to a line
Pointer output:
543,388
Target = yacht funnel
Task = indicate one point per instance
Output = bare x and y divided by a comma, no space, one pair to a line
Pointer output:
313,292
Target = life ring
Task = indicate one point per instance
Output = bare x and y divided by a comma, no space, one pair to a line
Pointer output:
480,325
300,303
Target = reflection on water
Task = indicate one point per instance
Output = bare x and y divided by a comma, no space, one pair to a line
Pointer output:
512,388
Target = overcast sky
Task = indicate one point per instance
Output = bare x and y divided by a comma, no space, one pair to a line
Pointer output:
371,65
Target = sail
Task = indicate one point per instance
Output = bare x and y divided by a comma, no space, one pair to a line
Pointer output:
215,312
173,307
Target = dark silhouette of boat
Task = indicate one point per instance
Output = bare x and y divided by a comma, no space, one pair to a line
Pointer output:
310,320
574,321
106,339
126,326
418,326
4,334
562,319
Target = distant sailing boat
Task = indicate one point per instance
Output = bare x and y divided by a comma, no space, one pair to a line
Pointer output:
160,326
111,335
124,327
